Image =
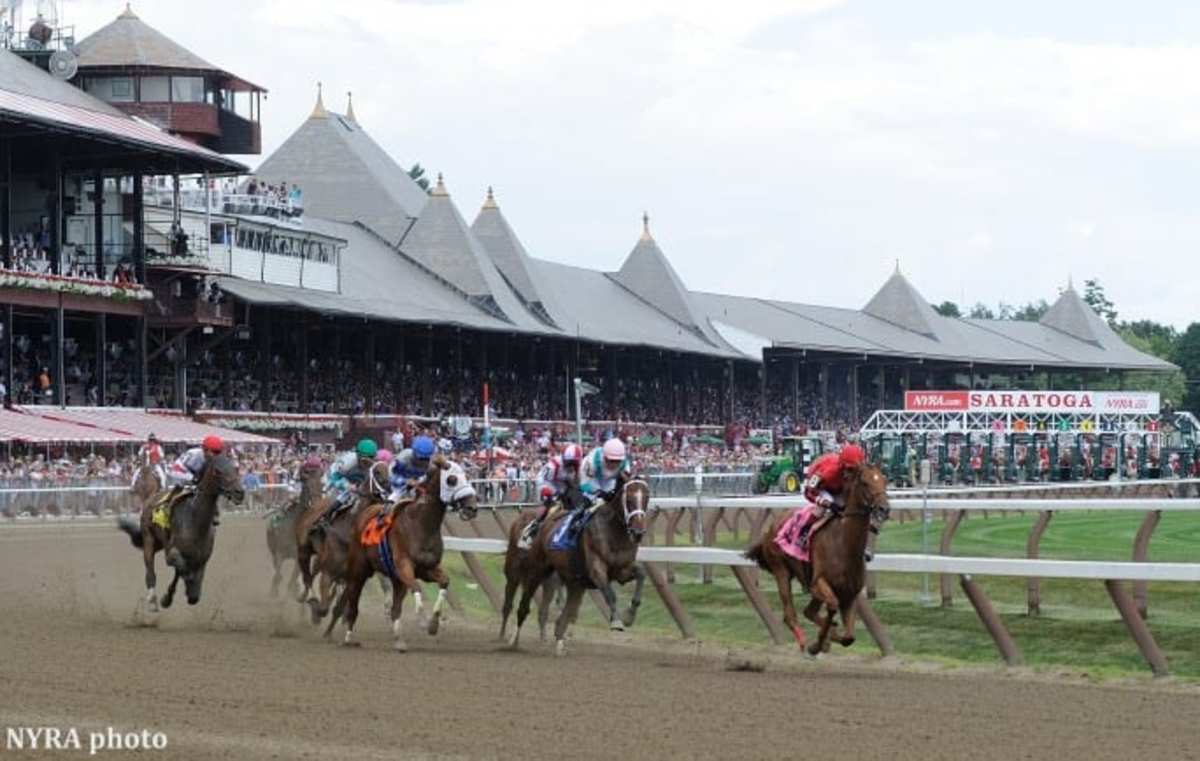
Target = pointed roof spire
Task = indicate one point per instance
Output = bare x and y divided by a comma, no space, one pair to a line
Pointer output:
490,201
1072,315
319,111
128,12
350,107
897,265
900,304
440,188
646,226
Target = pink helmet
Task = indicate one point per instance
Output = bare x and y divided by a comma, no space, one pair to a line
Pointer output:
384,455
614,450
572,454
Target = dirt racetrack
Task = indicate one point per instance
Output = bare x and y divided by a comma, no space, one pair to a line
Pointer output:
238,677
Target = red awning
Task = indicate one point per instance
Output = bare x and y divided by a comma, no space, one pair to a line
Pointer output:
29,427
125,424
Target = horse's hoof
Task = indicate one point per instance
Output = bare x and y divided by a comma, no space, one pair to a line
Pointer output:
629,617
152,606
616,626
814,649
514,641
400,646
166,602
434,624
847,641
560,648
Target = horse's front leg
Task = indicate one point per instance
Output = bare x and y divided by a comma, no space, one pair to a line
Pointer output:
438,576
151,579
569,613
824,592
529,587
848,621
169,597
639,577
598,573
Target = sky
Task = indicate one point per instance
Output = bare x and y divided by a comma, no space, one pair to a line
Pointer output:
792,150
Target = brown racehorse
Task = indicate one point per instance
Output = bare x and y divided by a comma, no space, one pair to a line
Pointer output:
606,552
326,549
413,546
146,484
281,526
837,570
188,543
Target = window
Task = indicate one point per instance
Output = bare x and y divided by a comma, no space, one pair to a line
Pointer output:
187,89
111,89
156,89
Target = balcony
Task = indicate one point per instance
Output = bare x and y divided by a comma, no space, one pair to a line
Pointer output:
237,134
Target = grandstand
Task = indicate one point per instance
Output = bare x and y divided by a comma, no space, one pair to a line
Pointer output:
378,297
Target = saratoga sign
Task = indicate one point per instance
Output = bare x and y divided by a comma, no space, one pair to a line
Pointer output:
1034,402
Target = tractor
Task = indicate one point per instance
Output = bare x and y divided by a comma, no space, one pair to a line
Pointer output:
786,472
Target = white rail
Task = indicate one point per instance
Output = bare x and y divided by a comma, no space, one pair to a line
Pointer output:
945,504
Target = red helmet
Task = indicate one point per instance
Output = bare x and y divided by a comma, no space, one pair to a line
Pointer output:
572,454
213,444
852,456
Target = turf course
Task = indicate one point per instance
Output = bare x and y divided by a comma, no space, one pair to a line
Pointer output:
1078,629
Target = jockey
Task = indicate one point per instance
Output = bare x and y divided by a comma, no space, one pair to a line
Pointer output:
825,482
410,467
189,467
557,480
347,473
602,467
151,454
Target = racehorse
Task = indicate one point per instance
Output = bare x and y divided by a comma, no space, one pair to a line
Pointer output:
836,571
281,524
606,551
188,543
324,550
146,484
409,550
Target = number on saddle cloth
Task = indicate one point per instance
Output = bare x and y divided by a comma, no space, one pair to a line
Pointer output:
566,536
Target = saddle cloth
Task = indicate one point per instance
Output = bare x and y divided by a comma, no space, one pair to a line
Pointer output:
161,514
377,528
564,538
788,537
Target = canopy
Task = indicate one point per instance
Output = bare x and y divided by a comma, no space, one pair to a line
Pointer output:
116,424
29,427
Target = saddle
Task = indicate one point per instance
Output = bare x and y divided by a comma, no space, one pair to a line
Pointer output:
164,504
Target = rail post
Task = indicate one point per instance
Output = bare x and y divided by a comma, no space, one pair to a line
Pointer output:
754,594
991,621
1141,548
1033,588
710,539
477,570
874,625
952,521
1137,627
667,594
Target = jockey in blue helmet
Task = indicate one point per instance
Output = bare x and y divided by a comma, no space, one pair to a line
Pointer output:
410,467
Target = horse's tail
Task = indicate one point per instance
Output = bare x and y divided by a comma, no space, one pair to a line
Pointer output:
755,553
131,527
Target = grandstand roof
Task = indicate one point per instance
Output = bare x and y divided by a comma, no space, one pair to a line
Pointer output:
26,427
439,270
30,96
345,175
109,425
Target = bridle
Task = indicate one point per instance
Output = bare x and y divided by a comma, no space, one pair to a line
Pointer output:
871,510
639,510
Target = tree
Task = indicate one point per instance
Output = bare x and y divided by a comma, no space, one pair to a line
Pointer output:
1097,299
947,309
1158,339
1032,312
982,311
417,172
1187,356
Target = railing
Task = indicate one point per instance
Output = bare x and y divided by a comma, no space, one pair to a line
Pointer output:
1112,574
109,497
220,202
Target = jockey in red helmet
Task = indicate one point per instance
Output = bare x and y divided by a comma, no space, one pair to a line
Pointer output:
557,480
188,468
825,482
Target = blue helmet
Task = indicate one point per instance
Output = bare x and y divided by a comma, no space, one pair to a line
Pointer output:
423,447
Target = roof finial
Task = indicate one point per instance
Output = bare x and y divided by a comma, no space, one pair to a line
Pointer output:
128,12
490,201
1070,283
897,265
319,111
350,107
440,188
646,226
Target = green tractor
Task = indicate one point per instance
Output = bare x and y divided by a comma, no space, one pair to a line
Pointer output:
786,472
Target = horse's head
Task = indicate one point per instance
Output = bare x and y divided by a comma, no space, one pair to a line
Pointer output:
871,489
225,478
635,500
456,492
